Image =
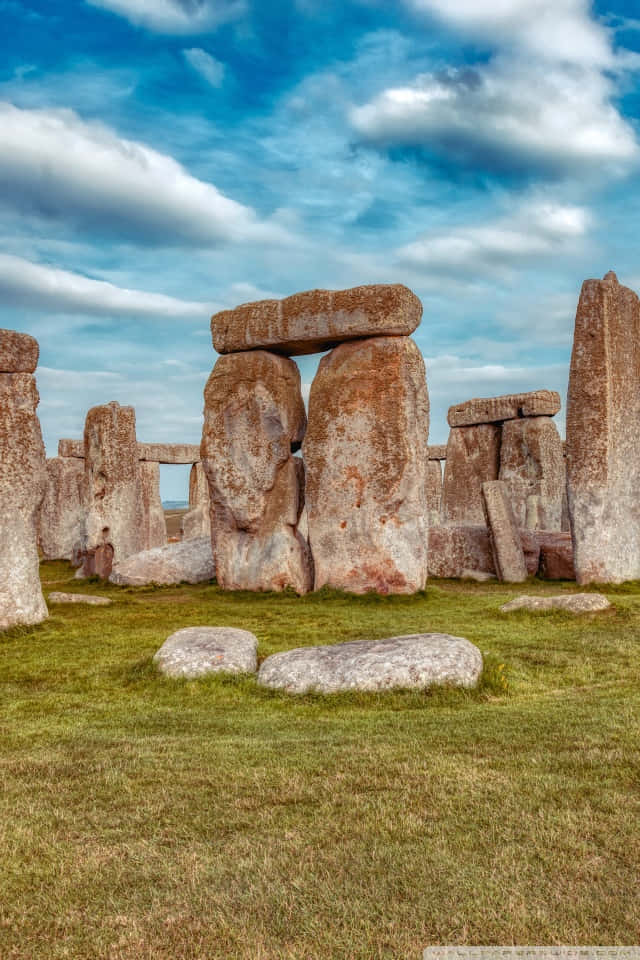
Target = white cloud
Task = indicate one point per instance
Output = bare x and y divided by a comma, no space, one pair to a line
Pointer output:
174,16
59,291
56,164
208,67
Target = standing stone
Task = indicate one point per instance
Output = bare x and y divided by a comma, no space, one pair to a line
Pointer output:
154,527
23,481
506,544
434,491
253,415
457,551
603,422
197,520
532,466
113,523
365,461
473,457
62,512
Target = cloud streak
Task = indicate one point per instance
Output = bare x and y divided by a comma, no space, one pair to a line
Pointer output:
174,16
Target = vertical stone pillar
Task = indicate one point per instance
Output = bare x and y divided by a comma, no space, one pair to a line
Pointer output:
154,527
22,482
434,491
506,543
61,519
197,521
253,416
366,460
603,422
532,466
473,458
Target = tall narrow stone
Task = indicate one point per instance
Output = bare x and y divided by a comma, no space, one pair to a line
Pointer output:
434,491
365,459
113,523
603,422
506,544
532,466
154,527
23,481
61,519
473,457
253,415
197,520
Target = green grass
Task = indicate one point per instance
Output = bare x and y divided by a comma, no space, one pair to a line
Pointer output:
144,818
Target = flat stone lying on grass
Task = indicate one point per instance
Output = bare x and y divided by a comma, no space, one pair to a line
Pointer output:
575,603
190,561
198,651
417,661
57,597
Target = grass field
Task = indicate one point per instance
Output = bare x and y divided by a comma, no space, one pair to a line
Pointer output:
143,818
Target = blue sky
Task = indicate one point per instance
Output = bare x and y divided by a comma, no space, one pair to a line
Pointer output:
162,159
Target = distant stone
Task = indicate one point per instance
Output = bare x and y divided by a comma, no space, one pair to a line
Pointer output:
317,320
189,561
71,448
60,522
418,661
169,452
199,651
458,551
538,403
480,576
434,491
196,522
152,519
556,556
58,597
574,603
532,466
18,352
473,457
437,451
506,543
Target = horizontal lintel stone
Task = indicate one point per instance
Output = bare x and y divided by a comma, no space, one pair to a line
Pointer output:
537,403
437,451
154,452
18,352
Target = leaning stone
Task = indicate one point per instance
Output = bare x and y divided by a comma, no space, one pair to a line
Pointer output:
196,522
365,462
58,597
473,457
437,451
317,320
556,556
418,661
23,480
200,651
153,524
575,603
504,536
253,415
434,491
61,518
538,403
603,422
456,551
532,466
188,561
18,352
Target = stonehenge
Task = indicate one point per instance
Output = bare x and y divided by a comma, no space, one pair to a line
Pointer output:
60,523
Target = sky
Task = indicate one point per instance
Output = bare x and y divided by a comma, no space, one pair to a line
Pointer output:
163,159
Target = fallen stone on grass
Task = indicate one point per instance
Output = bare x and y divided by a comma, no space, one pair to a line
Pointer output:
57,597
189,561
575,603
417,661
198,651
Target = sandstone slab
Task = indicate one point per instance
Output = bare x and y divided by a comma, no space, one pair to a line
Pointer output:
18,352
254,414
200,651
506,544
71,448
365,462
317,320
434,491
457,552
188,561
61,518
197,520
573,603
153,532
603,423
556,556
57,596
418,661
537,403
437,451
169,452
473,457
532,466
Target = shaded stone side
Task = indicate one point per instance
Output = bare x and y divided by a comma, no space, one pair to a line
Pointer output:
457,551
23,480
556,557
61,519
253,415
506,544
473,457
197,520
365,461
434,491
154,527
511,406
603,423
532,466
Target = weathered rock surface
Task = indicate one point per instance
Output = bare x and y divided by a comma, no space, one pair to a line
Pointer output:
57,597
188,561
365,463
434,491
153,525
253,415
556,556
537,403
437,451
603,422
61,518
199,651
169,452
317,320
573,603
473,457
18,352
113,522
504,536
457,551
197,520
23,480
71,448
532,466
417,661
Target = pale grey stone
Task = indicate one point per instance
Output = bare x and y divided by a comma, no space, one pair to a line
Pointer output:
57,596
190,561
416,661
574,603
198,651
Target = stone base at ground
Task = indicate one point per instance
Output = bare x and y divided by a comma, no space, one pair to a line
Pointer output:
573,603
200,651
418,661
556,557
190,561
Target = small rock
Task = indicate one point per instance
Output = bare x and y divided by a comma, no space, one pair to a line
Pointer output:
57,597
190,561
417,661
199,651
574,603
480,576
